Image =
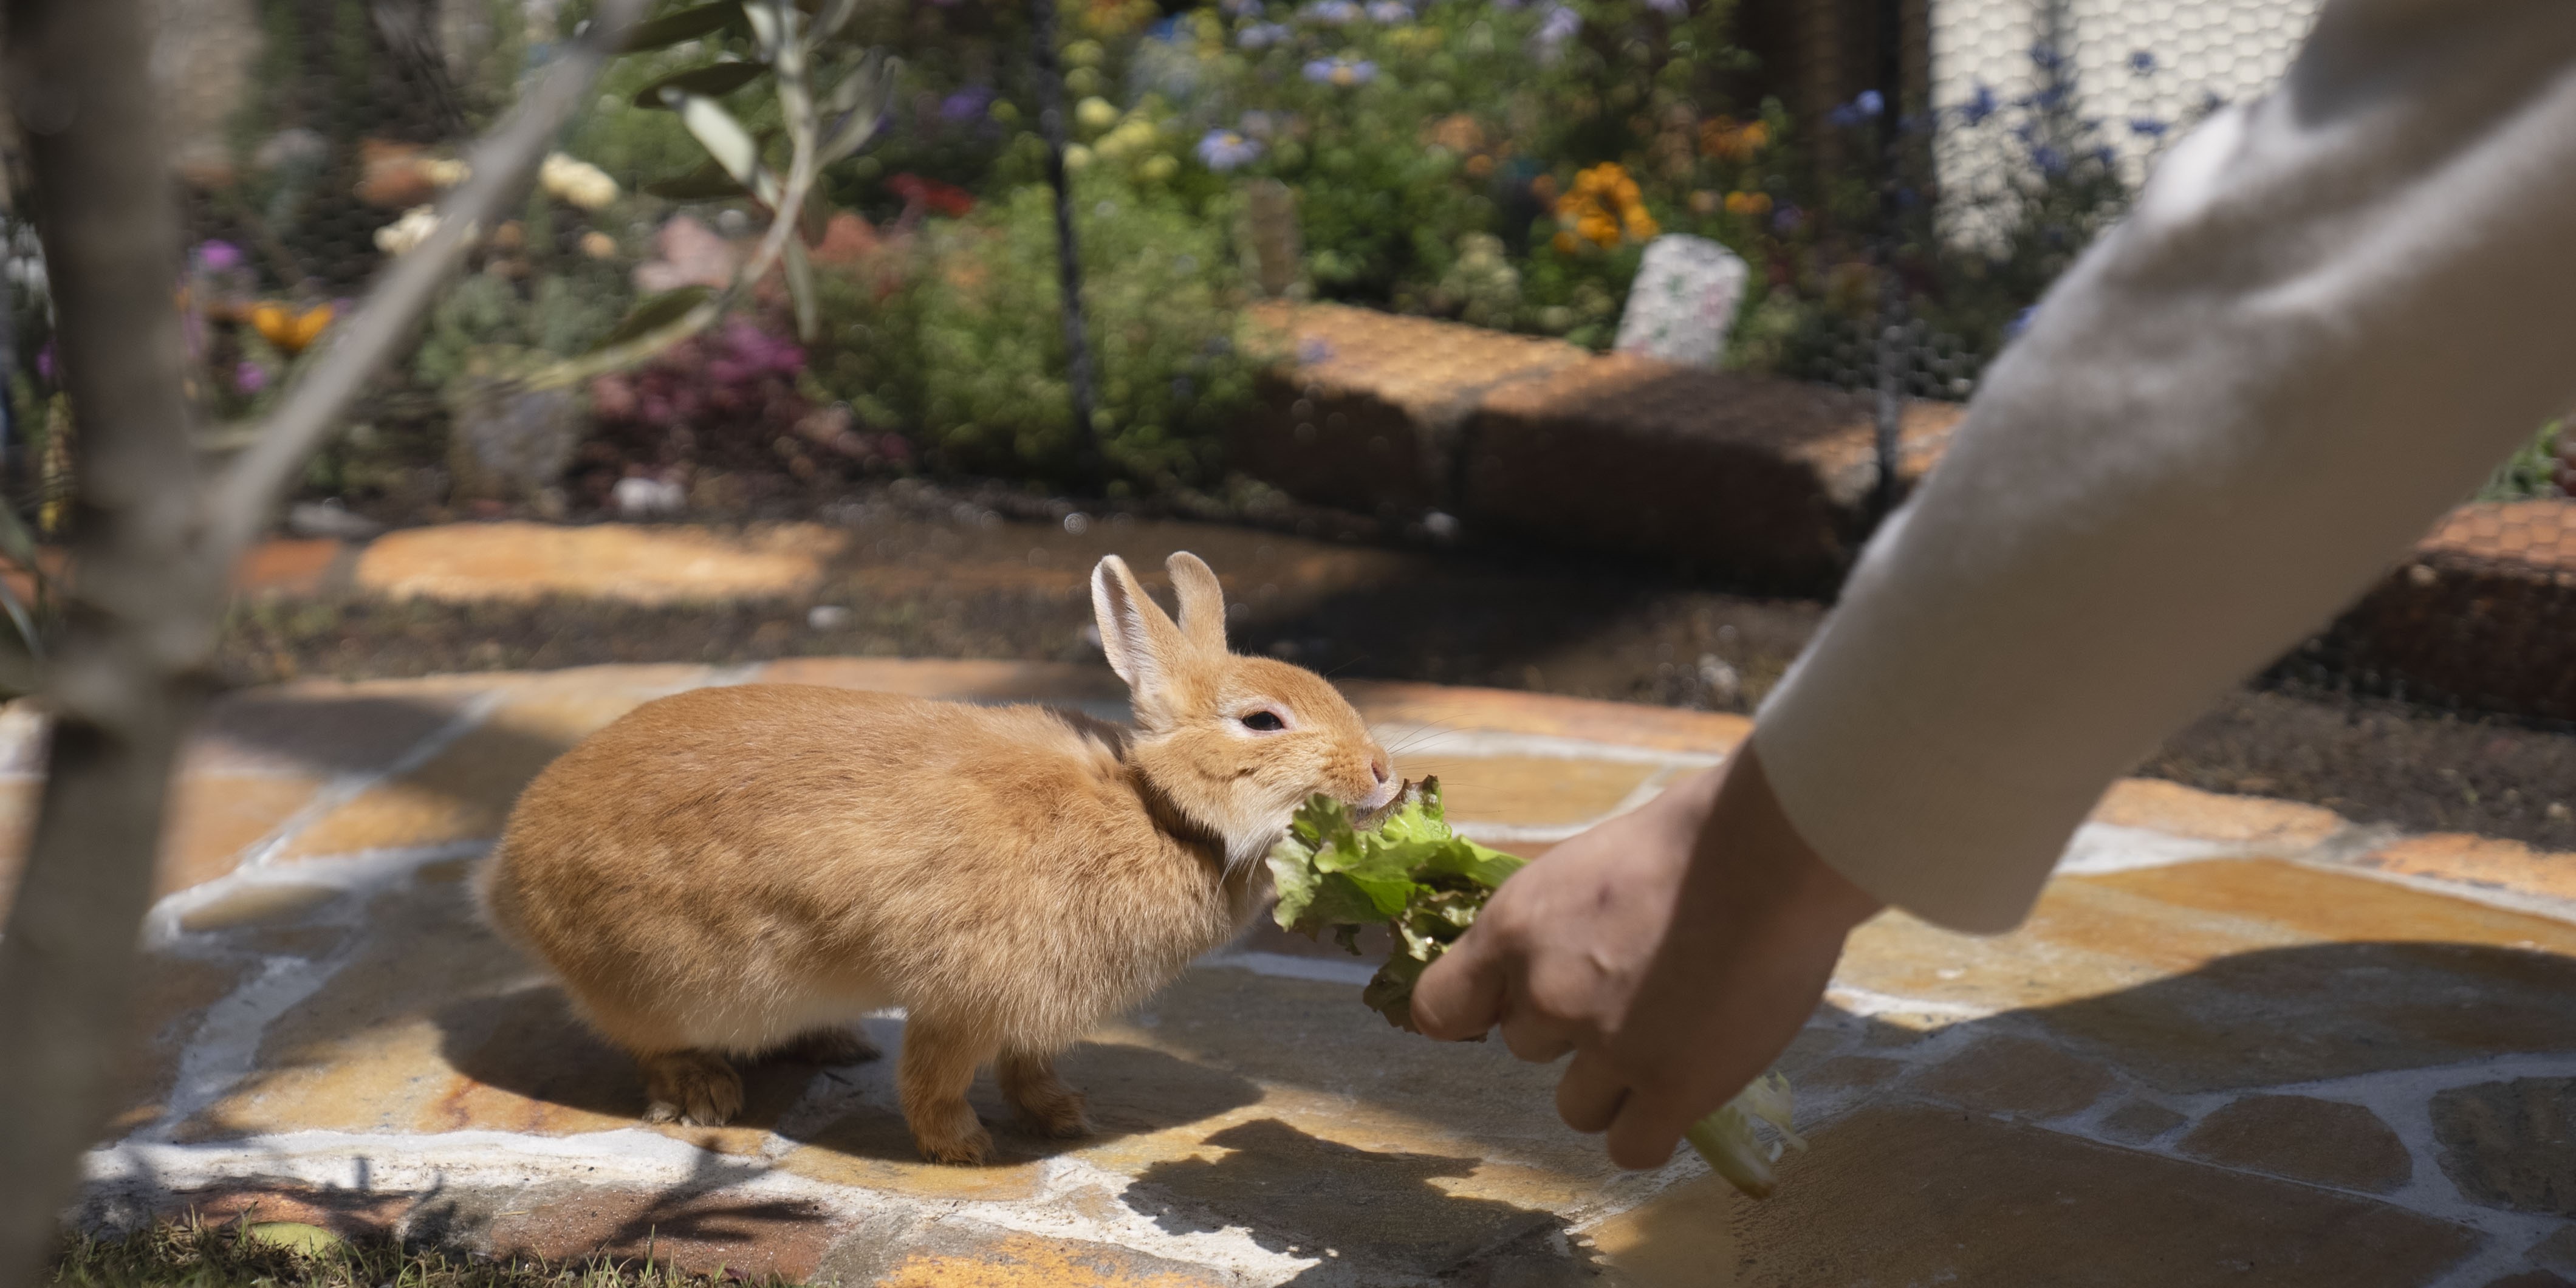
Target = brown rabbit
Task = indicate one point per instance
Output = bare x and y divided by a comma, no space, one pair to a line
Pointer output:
731,873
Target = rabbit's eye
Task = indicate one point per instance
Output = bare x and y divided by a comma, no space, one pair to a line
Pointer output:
1264,722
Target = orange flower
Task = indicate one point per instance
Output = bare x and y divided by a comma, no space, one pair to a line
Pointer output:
1724,139
289,331
1566,242
1544,187
1753,204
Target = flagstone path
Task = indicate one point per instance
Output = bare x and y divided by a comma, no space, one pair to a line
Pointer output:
2240,1042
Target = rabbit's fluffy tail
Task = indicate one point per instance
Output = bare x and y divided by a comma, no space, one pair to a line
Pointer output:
495,903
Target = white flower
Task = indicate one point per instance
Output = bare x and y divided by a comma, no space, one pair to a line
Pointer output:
577,183
445,172
403,235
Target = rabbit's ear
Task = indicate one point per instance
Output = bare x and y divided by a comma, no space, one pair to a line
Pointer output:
1202,602
1143,645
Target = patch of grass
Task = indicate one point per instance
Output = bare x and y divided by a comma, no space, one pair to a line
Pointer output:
192,1253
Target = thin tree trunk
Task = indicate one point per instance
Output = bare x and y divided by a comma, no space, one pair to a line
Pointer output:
126,681
151,549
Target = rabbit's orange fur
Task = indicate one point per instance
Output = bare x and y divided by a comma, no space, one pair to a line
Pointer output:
739,872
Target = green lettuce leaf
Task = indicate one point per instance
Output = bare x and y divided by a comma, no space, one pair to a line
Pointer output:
1408,871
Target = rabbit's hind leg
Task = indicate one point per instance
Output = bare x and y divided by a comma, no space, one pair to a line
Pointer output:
1049,1107
694,1087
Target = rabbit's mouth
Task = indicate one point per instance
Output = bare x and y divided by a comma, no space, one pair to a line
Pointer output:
1372,809
1389,791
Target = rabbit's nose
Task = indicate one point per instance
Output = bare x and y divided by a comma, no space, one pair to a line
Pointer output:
1378,767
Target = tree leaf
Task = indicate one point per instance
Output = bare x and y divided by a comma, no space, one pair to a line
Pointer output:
15,540
722,136
714,80
656,312
30,641
816,222
862,100
708,182
766,27
800,287
684,24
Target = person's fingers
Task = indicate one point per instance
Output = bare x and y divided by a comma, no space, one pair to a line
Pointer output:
1643,1133
1589,1095
1461,995
1535,1039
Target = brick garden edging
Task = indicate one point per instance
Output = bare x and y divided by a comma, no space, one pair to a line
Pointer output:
1766,483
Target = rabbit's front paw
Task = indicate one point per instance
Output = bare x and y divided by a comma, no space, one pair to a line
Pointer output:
693,1088
1046,1105
969,1149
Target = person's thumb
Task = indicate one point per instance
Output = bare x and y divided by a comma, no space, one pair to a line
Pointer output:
1461,995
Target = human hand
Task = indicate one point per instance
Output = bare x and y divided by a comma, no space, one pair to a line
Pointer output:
1675,949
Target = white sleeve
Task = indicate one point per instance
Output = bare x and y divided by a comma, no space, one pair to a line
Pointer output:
2329,315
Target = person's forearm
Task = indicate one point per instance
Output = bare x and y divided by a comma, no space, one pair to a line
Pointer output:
2326,319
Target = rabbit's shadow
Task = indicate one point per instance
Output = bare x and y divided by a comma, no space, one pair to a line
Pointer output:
525,1041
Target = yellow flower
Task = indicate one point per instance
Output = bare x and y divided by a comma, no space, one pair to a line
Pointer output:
578,183
289,331
1566,242
1754,204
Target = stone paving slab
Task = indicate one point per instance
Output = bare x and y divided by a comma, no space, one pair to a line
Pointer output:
2238,1042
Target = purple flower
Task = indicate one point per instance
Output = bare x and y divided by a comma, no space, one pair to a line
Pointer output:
45,362
1669,8
1262,35
2147,127
1341,71
1864,108
2142,63
966,104
1335,13
1223,150
1559,27
219,256
1786,219
1240,8
250,377
1979,106
1390,12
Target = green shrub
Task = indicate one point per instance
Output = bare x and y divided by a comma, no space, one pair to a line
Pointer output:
966,349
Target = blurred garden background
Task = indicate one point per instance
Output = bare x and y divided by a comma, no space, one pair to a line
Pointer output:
1849,206
1926,168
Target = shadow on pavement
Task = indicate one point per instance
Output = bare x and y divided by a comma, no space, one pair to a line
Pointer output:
1374,1211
